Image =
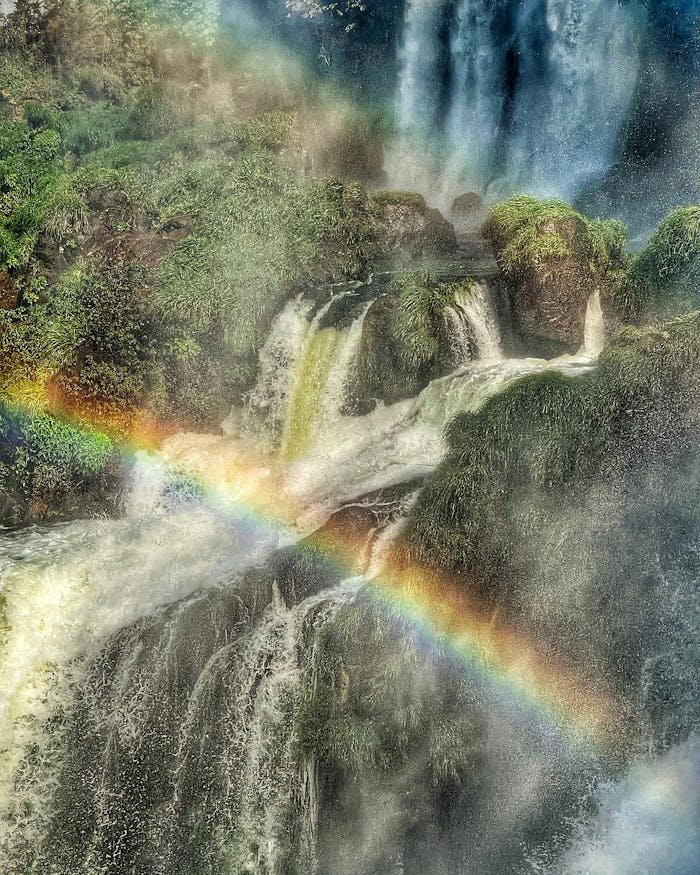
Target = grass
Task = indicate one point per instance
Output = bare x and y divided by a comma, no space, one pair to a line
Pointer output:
664,279
530,234
544,437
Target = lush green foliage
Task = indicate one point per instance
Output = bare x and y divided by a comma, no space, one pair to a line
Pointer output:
48,466
511,464
28,179
262,233
665,277
405,339
528,233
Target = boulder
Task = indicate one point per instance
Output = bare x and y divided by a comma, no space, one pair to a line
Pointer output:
467,206
411,229
552,260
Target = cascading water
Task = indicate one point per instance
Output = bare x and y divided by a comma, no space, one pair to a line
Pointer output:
530,96
303,378
155,668
473,317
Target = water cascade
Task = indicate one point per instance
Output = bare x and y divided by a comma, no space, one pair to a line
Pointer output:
530,96
473,316
593,329
154,668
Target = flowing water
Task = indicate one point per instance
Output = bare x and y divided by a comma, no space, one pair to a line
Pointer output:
154,668
511,96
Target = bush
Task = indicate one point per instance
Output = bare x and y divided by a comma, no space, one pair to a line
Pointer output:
48,464
547,436
664,279
29,170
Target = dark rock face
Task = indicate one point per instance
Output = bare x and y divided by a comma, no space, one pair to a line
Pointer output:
549,294
412,230
8,292
466,206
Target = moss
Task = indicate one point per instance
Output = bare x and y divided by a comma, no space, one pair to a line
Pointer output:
528,233
512,463
664,279
405,339
553,259
392,198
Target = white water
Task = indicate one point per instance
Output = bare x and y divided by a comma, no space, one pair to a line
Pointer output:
68,589
646,824
593,329
473,317
279,360
535,94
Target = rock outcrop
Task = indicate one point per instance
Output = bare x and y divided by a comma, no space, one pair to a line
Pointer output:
552,260
411,230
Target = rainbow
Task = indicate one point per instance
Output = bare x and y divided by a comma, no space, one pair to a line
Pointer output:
431,607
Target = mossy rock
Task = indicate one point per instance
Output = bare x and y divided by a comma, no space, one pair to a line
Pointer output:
548,435
405,341
664,279
553,259
411,229
467,205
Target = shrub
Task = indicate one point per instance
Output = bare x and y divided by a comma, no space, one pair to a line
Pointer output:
49,462
665,277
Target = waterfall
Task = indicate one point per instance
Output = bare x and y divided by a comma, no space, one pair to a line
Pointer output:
525,96
593,329
304,371
152,666
278,360
473,319
184,719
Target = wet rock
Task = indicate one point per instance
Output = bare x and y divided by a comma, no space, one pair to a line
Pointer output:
552,260
467,207
411,229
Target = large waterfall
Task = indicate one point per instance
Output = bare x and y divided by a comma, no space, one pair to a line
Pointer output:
495,96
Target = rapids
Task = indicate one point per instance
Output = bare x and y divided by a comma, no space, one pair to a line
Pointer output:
153,667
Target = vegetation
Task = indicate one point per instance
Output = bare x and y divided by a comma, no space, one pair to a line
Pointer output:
141,261
553,260
405,338
664,279
373,709
395,198
557,469
546,435
48,467
527,233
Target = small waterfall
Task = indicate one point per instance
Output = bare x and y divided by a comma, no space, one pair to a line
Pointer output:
522,96
593,329
323,369
473,321
278,360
